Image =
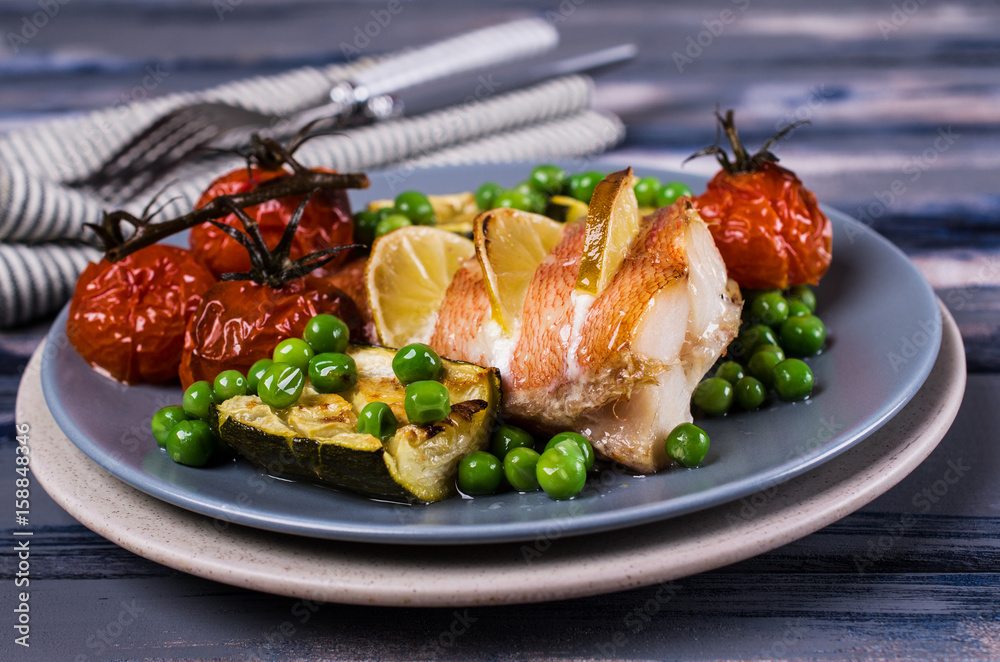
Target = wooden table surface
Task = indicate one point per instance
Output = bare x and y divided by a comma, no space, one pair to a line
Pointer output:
903,96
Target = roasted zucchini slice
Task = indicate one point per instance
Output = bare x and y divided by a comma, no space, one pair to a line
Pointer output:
316,439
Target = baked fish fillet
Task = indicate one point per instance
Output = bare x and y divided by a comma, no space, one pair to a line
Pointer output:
619,368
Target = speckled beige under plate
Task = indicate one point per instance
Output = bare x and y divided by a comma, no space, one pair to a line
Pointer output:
548,569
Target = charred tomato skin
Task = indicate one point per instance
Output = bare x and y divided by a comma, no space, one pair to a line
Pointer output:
325,223
128,318
768,227
239,322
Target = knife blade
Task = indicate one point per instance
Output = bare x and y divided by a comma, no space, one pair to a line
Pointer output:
363,98
480,84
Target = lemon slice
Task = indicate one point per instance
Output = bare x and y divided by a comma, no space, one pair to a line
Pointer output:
406,278
510,244
460,223
612,223
567,209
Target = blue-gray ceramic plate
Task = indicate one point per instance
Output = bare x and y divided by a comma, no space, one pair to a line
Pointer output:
884,333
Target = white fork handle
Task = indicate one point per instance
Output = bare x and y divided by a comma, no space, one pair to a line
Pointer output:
473,50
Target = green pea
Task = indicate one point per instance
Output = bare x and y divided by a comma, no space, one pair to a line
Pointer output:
512,200
793,380
507,437
520,466
524,188
646,190
377,419
762,365
164,420
426,401
749,339
687,444
773,349
281,385
191,443
670,192
364,226
714,396
797,309
294,351
486,195
581,186
479,472
749,393
559,473
415,206
769,308
326,333
731,371
417,362
229,384
537,202
390,223
765,334
804,294
586,450
566,447
803,336
198,399
257,371
332,372
548,179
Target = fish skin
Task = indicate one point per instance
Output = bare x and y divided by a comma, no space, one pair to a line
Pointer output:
464,311
539,360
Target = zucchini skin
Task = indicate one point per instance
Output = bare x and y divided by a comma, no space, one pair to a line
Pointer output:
325,462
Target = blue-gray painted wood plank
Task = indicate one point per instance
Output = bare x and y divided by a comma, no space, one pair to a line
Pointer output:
880,87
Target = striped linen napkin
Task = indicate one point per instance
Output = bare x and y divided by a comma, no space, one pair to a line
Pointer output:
41,217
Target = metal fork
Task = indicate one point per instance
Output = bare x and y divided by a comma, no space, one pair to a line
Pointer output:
179,135
188,129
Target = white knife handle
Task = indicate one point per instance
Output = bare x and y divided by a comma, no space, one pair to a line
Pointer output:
473,50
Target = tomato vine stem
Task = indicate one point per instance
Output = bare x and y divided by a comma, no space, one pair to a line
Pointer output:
743,162
116,245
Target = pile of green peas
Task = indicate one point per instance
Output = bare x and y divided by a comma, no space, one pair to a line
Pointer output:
548,180
279,381
560,469
776,325
409,208
532,195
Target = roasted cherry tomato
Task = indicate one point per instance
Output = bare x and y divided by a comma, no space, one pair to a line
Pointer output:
240,322
351,279
768,226
127,318
325,223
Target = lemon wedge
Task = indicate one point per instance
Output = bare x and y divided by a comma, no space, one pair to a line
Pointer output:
612,223
510,244
567,209
406,278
